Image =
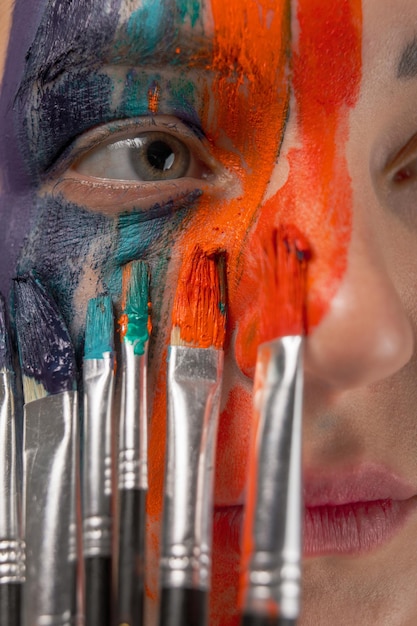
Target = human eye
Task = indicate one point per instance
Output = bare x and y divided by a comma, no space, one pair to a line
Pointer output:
396,180
404,167
135,163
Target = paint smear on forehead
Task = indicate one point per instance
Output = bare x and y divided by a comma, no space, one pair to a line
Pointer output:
317,197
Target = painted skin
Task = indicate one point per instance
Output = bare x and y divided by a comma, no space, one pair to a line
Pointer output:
346,176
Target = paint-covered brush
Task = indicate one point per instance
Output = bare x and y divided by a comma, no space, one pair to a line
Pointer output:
272,538
50,469
98,378
133,444
195,367
12,559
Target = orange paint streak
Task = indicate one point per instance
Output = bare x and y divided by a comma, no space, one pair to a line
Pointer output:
198,313
232,435
317,195
153,98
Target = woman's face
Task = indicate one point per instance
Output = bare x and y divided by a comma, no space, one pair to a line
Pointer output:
297,112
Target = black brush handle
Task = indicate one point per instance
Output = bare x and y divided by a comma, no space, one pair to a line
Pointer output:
132,523
264,620
97,590
10,604
183,607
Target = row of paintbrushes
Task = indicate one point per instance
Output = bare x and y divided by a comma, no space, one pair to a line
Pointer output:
44,589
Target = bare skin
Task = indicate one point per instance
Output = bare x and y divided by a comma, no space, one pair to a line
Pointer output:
360,359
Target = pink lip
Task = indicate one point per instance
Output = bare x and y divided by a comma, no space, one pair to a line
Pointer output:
350,512
363,484
356,511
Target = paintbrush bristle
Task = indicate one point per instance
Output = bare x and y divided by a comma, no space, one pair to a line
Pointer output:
5,347
285,278
47,358
199,312
134,322
99,328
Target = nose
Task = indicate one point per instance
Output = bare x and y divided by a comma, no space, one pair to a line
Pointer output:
366,335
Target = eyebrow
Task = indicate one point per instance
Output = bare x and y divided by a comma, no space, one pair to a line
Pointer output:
407,66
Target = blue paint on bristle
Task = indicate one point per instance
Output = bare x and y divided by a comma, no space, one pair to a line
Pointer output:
99,328
5,348
45,348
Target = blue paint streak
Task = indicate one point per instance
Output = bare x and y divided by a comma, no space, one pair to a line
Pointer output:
65,110
99,328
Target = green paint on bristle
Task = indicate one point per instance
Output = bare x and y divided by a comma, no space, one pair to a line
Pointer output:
137,313
99,328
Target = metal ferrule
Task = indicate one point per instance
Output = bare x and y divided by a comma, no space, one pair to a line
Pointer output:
133,428
12,558
194,386
98,404
274,576
50,471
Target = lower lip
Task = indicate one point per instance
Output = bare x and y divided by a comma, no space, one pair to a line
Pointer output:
355,527
338,529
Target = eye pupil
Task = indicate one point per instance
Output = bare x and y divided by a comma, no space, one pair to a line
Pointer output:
160,155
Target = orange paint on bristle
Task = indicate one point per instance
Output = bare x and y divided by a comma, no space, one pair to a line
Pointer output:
153,98
123,319
198,314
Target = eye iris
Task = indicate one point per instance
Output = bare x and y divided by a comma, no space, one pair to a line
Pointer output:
160,155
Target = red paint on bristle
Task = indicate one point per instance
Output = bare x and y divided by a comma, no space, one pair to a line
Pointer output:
284,279
199,309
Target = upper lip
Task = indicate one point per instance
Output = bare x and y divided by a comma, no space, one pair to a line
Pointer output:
366,483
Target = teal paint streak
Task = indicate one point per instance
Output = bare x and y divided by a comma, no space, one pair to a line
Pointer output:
135,94
136,309
182,99
146,26
99,330
190,9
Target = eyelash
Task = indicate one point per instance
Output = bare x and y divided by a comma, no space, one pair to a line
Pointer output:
102,194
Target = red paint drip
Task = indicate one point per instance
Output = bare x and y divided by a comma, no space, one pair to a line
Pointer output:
284,274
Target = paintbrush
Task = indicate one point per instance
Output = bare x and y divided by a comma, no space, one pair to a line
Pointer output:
272,537
12,559
195,366
50,469
133,444
98,378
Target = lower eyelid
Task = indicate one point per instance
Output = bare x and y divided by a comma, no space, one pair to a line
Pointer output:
112,198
